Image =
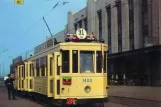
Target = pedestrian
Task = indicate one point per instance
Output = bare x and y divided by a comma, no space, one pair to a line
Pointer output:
10,87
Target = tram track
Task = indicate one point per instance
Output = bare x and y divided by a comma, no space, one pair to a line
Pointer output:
134,102
131,102
43,102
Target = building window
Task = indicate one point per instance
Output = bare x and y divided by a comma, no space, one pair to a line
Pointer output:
144,22
131,24
119,20
108,9
100,23
80,24
75,27
86,25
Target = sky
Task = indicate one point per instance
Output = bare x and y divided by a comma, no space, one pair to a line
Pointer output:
19,30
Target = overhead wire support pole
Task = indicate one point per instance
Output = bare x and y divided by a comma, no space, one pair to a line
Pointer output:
55,41
47,27
3,68
39,21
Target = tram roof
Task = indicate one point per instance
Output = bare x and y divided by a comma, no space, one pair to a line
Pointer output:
67,46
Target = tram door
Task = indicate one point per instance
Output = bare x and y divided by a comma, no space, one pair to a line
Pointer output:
57,68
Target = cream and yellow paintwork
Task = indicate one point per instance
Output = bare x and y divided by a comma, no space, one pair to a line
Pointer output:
28,77
47,85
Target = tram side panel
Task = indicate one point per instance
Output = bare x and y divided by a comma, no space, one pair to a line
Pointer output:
40,82
40,85
50,75
44,84
29,76
21,79
18,78
26,76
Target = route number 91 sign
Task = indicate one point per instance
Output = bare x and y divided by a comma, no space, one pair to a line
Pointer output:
81,33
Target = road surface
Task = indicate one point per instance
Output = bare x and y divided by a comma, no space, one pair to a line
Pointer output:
4,102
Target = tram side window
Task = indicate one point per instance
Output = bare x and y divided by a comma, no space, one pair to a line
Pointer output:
43,70
105,62
19,72
24,71
42,66
37,68
33,71
51,66
65,61
46,65
75,61
30,66
37,71
99,62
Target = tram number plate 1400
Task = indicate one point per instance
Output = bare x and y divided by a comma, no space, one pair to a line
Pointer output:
87,80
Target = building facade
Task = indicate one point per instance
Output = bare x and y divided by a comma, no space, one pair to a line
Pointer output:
132,30
124,24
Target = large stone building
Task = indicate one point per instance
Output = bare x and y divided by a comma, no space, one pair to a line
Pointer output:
132,29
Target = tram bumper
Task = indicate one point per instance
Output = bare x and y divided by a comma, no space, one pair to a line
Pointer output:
87,101
90,101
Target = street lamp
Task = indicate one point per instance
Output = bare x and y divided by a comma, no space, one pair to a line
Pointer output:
1,70
2,66
3,62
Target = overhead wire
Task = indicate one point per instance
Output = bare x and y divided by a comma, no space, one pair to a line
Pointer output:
39,21
123,3
28,30
95,16
31,29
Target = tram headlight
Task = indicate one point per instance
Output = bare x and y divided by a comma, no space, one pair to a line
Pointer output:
87,89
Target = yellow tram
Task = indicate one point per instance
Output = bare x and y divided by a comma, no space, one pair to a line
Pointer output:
69,73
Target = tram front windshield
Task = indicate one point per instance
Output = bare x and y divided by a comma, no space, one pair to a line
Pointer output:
86,62
83,61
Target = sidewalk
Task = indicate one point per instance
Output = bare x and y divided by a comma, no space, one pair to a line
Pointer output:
138,92
4,102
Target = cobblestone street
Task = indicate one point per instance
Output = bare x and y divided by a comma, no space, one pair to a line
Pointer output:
4,102
120,101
